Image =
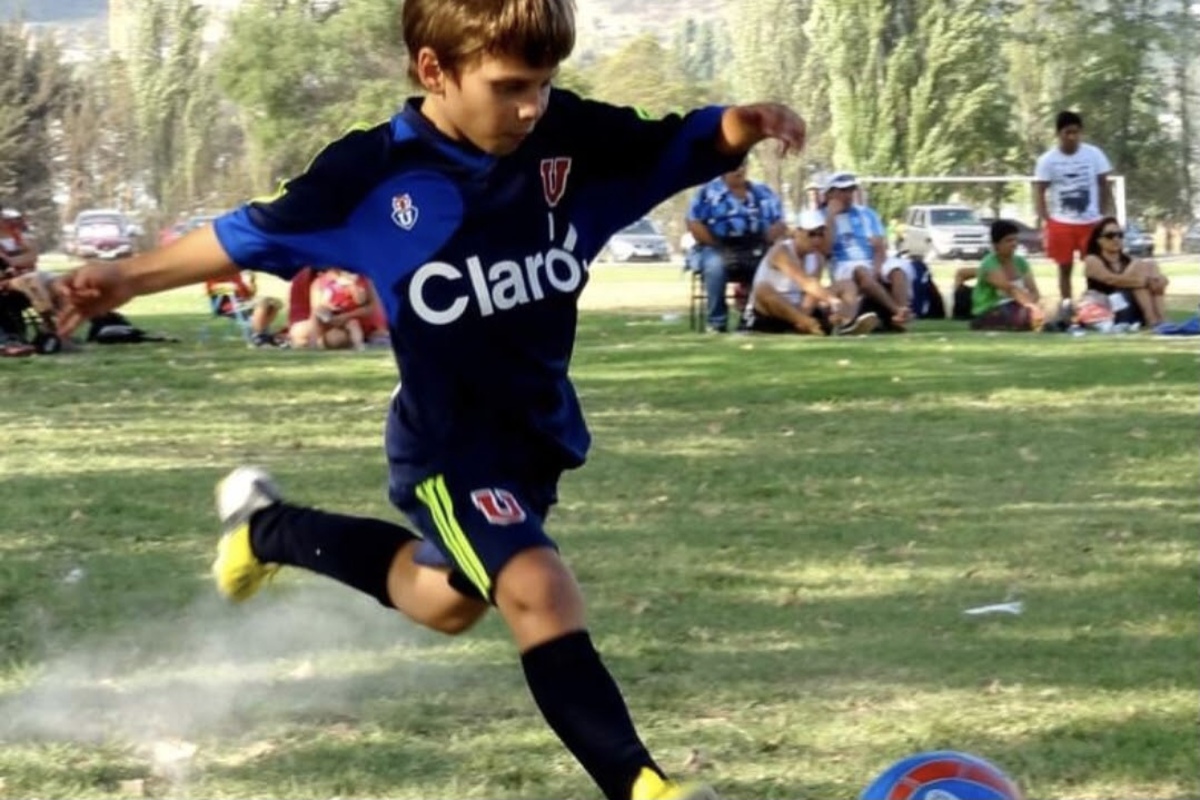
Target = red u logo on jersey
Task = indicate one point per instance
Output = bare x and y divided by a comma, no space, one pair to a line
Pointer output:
554,178
499,506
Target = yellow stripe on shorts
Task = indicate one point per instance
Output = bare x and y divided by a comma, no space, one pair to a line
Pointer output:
434,494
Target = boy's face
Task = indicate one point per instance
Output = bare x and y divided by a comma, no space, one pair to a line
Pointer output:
1069,138
1006,247
493,102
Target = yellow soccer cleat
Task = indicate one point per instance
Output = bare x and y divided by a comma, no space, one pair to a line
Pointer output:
650,786
238,572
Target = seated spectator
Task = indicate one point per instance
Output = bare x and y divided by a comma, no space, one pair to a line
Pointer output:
733,220
787,295
1006,295
1135,288
345,313
858,254
241,290
18,263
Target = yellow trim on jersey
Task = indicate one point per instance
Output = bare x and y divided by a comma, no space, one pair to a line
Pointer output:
433,493
267,199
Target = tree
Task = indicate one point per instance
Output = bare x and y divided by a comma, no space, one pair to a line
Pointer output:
301,74
165,74
33,81
909,91
643,74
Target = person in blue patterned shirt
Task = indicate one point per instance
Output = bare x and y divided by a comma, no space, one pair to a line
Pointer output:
734,221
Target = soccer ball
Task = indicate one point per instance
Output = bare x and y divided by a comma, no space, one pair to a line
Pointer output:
942,775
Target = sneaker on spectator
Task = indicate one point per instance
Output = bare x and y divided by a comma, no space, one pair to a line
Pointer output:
863,323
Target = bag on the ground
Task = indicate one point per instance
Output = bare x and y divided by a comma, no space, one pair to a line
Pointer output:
1094,310
927,300
114,328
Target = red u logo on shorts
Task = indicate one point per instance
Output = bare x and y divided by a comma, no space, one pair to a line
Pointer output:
499,506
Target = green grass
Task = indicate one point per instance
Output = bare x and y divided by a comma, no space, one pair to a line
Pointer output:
778,538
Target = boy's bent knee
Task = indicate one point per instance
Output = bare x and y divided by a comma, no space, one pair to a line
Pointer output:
538,596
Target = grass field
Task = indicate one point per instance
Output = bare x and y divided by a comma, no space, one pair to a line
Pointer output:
778,538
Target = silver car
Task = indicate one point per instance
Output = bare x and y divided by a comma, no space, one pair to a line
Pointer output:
641,241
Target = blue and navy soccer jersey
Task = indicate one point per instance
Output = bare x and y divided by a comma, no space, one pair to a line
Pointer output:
479,261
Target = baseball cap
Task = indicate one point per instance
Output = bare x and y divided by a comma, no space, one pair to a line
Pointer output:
810,219
841,180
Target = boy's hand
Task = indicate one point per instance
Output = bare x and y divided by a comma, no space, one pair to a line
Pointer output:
742,127
89,291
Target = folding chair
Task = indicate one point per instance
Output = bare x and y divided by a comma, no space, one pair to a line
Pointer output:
224,303
740,266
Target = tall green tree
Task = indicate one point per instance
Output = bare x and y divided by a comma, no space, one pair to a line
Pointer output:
165,74
643,73
916,87
33,82
771,61
300,77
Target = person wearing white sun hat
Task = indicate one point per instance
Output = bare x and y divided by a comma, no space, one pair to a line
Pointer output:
857,249
786,293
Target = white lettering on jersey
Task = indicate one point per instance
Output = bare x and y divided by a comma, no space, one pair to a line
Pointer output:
501,286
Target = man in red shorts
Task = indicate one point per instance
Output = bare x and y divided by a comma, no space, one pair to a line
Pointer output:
1072,194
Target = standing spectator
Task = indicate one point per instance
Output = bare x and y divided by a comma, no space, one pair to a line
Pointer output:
733,220
1006,295
858,253
1075,175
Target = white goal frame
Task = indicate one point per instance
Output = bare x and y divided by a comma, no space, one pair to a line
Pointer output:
1117,181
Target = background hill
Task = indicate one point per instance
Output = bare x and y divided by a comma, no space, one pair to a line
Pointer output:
603,24
53,10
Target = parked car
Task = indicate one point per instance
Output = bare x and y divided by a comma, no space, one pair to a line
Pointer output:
1029,238
641,241
105,234
1137,242
1191,239
945,231
168,235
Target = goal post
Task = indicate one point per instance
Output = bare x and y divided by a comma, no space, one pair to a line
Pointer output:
1117,182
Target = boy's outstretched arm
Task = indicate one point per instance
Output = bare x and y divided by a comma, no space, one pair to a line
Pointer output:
742,127
97,288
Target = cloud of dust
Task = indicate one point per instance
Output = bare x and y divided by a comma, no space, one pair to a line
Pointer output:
320,650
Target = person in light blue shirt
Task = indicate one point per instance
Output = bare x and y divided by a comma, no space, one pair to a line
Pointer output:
857,251
734,221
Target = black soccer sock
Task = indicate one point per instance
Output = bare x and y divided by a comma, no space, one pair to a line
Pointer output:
583,705
358,551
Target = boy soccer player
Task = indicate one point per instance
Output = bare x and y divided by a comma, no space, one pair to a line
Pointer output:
474,211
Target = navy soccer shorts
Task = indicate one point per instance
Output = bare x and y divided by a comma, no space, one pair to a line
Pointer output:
474,524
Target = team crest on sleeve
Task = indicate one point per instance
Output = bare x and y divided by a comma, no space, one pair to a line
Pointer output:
404,213
554,178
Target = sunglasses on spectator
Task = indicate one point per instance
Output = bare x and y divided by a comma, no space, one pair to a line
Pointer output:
817,232
1113,235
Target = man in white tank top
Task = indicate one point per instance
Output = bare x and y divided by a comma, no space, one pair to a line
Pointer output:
786,292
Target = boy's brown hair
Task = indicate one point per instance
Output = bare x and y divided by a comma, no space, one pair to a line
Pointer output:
541,32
